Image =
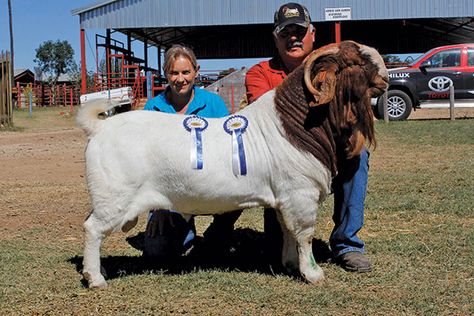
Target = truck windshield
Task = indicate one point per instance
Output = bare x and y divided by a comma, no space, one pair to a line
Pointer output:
419,58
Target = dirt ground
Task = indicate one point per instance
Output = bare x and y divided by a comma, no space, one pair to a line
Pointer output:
42,182
42,156
426,114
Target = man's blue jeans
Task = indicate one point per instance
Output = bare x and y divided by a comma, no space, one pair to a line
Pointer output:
350,188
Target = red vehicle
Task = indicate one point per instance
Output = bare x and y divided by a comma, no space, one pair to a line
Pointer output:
426,81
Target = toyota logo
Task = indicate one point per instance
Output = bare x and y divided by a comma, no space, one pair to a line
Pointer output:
440,84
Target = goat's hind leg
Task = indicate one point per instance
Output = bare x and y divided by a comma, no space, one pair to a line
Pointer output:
289,257
95,232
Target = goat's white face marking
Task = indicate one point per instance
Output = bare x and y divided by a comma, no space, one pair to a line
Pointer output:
376,59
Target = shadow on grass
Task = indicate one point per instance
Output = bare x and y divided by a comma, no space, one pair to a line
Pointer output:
247,254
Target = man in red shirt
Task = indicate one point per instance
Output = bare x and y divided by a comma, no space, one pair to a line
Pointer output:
294,37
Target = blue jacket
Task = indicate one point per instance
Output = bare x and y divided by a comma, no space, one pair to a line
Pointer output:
204,103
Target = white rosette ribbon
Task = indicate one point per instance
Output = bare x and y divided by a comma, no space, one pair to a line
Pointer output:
235,126
196,125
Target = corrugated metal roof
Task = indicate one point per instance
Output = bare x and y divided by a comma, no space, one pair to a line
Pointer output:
91,6
242,28
182,13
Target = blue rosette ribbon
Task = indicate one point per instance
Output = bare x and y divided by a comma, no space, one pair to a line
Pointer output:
195,125
235,126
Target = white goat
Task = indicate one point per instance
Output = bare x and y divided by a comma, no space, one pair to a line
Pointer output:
138,161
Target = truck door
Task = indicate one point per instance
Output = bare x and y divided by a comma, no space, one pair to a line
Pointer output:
468,75
443,70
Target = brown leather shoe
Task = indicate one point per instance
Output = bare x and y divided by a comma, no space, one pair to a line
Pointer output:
354,262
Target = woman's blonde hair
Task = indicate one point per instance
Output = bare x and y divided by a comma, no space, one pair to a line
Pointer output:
176,51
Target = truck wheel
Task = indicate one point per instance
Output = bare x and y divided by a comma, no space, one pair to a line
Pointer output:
399,105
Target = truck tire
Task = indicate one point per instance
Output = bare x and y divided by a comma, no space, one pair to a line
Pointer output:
399,105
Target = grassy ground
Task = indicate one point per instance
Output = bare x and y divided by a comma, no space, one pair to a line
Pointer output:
419,233
43,119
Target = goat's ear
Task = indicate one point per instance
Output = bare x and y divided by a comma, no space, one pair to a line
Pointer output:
324,84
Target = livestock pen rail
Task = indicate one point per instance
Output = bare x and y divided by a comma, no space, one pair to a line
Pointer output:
6,108
45,95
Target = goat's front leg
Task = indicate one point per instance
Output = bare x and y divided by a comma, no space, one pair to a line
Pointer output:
309,269
93,239
298,243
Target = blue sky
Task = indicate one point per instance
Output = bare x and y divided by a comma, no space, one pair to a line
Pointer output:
36,21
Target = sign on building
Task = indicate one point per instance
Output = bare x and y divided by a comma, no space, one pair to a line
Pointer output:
337,14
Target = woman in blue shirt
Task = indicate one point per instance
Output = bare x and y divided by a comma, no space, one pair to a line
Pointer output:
168,233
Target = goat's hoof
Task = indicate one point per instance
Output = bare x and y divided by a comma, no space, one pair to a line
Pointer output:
98,286
95,283
314,276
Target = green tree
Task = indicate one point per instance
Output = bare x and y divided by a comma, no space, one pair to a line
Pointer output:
55,59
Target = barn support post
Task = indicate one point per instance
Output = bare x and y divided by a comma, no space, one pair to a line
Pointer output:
129,49
107,56
83,63
96,57
145,52
337,30
149,85
159,62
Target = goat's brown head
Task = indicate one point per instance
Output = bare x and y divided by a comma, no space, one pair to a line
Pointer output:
347,75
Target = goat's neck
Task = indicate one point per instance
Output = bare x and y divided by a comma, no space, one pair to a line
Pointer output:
306,128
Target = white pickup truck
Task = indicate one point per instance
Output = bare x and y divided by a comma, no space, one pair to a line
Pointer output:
122,95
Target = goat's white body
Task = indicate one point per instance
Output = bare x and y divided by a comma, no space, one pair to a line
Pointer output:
140,160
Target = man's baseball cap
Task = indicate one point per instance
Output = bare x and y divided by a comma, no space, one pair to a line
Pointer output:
291,13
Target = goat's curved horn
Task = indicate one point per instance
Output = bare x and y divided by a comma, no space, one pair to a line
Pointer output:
323,51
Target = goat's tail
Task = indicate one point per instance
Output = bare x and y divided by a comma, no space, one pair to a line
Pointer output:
88,116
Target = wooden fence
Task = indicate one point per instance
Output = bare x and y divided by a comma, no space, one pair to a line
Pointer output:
6,108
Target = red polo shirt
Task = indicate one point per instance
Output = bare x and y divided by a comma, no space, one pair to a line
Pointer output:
263,77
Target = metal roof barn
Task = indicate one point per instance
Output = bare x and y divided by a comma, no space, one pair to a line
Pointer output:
179,13
242,28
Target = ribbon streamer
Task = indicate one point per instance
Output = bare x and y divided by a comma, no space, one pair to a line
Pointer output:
196,125
235,126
